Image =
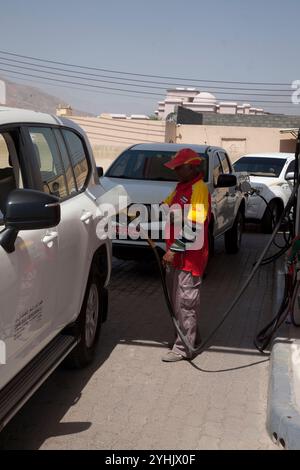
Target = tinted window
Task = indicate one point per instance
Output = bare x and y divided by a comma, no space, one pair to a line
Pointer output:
4,153
49,161
291,167
146,165
78,157
66,162
218,170
260,166
225,162
10,177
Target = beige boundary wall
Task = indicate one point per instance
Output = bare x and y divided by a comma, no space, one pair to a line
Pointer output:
237,140
109,137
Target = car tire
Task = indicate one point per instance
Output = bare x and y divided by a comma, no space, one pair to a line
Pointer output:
233,236
88,325
270,217
295,305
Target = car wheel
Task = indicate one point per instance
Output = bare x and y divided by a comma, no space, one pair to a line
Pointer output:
88,325
233,236
270,217
295,305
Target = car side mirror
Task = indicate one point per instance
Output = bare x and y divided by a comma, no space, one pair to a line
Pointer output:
226,181
28,209
290,176
100,171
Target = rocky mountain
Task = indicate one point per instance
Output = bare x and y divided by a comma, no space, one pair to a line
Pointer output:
30,97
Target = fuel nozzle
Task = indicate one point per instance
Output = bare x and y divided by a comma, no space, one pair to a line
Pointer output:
246,188
254,191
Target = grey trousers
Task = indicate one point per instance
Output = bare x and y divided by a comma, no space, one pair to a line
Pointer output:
184,292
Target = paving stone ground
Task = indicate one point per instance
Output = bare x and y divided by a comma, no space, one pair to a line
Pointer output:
129,399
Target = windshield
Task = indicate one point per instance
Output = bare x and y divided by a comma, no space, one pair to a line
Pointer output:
260,166
146,165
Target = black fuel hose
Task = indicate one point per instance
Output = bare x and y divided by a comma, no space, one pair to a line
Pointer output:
282,249
287,241
191,350
166,293
264,337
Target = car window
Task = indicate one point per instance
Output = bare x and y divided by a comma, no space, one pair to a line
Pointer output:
10,174
4,153
291,167
70,176
146,165
225,162
78,157
260,166
49,161
217,168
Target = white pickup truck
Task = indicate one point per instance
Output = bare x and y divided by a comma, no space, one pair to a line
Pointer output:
271,175
141,170
54,269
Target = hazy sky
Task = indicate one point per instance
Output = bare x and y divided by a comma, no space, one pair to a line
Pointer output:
254,41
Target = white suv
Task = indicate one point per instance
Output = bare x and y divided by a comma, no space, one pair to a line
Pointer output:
272,175
53,268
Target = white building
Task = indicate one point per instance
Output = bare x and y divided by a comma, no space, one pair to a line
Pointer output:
200,101
2,93
141,117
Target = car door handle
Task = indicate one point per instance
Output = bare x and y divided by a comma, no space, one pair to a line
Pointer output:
86,216
49,237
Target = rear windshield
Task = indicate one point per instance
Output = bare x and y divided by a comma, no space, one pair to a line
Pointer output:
260,166
146,165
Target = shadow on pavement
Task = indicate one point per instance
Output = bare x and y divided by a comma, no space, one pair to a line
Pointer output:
138,317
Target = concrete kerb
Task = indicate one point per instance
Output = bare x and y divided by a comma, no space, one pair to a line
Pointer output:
283,414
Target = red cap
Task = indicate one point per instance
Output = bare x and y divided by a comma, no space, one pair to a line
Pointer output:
184,157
